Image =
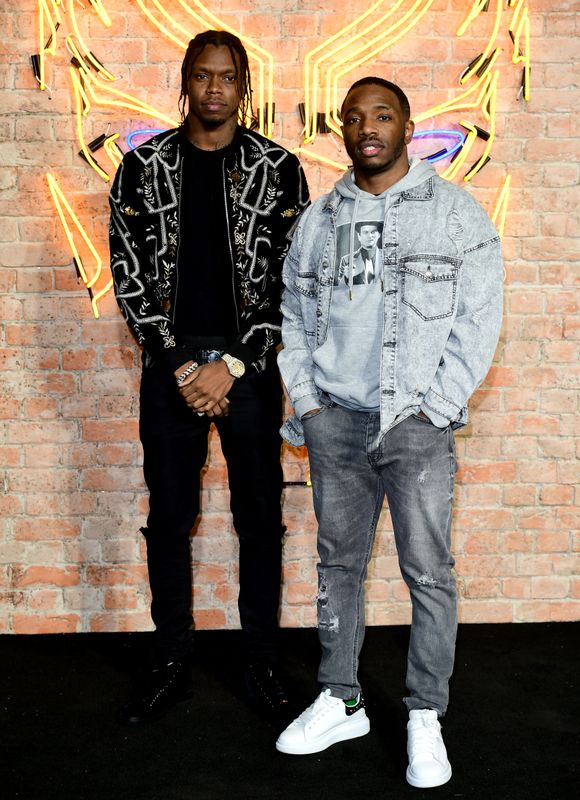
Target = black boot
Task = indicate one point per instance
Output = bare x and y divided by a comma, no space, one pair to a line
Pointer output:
163,687
264,690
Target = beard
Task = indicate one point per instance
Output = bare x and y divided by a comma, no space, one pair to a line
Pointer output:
366,166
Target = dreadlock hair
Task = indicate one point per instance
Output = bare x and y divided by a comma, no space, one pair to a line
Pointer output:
240,59
392,87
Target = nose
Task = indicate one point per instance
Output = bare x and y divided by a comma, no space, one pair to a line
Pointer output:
213,85
367,127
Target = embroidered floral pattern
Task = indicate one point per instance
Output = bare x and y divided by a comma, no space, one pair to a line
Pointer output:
259,202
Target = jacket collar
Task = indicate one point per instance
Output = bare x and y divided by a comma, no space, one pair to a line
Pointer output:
424,191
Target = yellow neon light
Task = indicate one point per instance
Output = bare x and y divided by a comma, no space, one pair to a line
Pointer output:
161,27
256,52
54,18
452,170
460,102
128,101
80,112
522,26
487,97
63,208
97,296
84,47
86,104
311,106
516,14
501,206
491,100
488,48
102,12
473,13
72,48
411,17
89,83
317,157
113,150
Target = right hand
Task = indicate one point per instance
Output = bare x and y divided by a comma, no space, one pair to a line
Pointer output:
212,400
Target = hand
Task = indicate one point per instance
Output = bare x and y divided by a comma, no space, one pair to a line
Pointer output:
221,409
205,390
182,369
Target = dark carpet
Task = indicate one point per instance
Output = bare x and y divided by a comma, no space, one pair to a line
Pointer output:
512,731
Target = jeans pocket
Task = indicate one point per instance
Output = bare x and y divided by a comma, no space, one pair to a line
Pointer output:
424,420
317,413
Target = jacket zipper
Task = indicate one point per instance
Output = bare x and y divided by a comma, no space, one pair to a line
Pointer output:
178,241
230,245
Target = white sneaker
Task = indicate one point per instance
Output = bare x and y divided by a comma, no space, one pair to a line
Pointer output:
326,721
428,763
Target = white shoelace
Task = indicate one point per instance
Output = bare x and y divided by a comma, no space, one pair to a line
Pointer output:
319,708
423,738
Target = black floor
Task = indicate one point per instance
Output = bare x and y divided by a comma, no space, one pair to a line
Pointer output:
512,731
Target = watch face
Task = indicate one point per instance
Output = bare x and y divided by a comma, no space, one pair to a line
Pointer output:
236,367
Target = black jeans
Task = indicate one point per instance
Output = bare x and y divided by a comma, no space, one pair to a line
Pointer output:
175,446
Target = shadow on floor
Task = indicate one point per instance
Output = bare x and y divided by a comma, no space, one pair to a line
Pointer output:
512,731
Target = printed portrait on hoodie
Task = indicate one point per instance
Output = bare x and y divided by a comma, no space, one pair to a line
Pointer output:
358,249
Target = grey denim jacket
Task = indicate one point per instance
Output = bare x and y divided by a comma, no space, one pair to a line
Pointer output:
442,293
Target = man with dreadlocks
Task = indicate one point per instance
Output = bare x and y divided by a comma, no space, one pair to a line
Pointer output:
201,217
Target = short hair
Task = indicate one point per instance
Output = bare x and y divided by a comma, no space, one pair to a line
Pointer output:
239,57
392,87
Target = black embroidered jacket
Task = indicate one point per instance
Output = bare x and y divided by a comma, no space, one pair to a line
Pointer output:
265,191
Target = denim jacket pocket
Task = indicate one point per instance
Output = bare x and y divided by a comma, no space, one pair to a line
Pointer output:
429,285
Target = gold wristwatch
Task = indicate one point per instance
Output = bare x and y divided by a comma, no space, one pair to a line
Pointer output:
236,368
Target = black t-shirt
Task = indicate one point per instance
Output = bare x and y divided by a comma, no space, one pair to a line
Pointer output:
205,302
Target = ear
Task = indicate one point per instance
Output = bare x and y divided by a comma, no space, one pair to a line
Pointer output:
409,131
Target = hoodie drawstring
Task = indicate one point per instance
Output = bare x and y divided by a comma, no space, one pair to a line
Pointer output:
351,244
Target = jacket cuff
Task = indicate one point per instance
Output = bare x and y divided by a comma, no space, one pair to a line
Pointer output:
440,411
243,353
306,404
436,419
292,432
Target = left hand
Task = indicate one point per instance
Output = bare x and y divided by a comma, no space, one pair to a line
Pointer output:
207,388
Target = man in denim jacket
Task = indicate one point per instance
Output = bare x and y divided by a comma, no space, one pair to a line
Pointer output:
380,374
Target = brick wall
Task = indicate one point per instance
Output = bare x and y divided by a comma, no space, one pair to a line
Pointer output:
71,491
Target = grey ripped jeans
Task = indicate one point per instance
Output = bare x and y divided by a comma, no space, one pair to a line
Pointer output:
414,466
